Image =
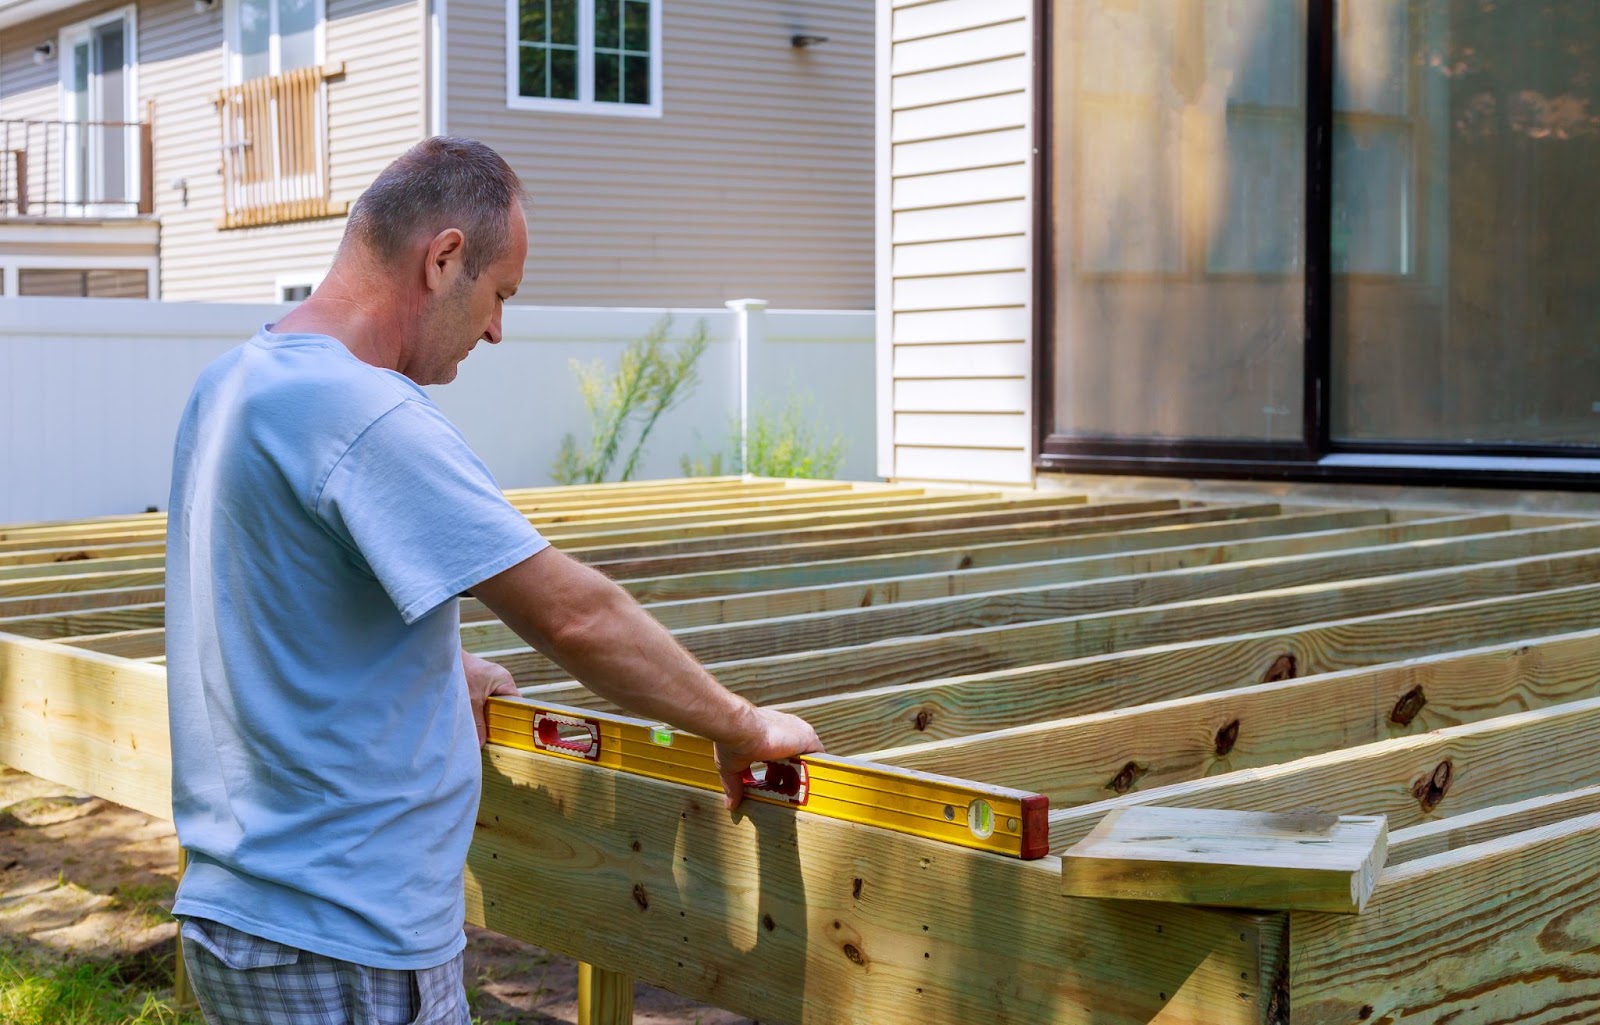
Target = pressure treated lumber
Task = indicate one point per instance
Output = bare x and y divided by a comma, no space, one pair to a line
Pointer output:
1429,838
89,721
1409,779
604,998
792,677
797,918
917,717
1139,747
1497,932
77,601
65,625
1236,859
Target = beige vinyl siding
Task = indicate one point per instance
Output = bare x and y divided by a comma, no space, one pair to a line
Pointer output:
958,256
755,181
374,113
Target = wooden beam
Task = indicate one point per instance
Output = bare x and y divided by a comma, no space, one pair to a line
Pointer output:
1140,747
1409,779
145,643
1474,827
88,721
1498,932
71,553
604,998
78,601
80,566
910,720
60,625
1234,859
791,917
792,677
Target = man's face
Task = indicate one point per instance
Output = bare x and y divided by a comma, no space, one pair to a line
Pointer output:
469,311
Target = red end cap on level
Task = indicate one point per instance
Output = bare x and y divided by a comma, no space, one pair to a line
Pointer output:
1035,827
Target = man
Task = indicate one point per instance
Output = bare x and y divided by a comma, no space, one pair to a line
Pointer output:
324,517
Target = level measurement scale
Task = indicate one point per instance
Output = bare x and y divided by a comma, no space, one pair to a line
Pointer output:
956,811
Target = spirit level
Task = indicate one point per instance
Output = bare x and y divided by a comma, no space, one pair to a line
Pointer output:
988,818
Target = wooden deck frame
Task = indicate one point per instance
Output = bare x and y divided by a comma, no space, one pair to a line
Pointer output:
1491,792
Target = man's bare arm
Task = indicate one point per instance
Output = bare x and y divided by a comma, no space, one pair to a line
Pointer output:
596,631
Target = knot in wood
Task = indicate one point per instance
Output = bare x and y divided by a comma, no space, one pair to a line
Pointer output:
965,563
923,721
1226,738
1283,667
855,888
641,897
767,923
855,955
1406,709
1126,777
1431,789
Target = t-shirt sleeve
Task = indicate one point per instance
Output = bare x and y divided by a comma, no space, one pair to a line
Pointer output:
412,499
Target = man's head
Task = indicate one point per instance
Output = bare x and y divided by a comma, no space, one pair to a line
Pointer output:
444,225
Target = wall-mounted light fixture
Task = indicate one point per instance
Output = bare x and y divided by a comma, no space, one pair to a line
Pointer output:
44,51
800,40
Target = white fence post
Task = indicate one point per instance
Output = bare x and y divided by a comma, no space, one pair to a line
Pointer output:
750,327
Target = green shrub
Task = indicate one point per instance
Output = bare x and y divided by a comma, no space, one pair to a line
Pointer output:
790,442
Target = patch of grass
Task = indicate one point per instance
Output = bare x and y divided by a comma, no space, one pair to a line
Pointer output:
38,992
153,901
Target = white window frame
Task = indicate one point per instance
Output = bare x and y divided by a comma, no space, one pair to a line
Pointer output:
66,41
585,103
233,62
12,266
295,279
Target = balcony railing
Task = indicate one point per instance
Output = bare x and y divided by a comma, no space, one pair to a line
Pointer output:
76,168
275,149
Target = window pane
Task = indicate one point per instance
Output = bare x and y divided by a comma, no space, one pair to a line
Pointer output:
636,25
51,282
255,33
297,34
636,80
564,74
532,24
1468,296
607,24
117,284
532,70
1179,163
564,22
112,186
607,78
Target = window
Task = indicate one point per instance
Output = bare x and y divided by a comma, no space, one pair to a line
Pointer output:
92,283
596,56
100,141
270,37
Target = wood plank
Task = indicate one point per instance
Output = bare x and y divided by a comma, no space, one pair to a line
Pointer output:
791,918
77,601
145,643
77,567
1234,859
1438,837
1409,779
856,619
911,719
88,721
1498,932
76,554
1142,747
604,998
800,675
58,625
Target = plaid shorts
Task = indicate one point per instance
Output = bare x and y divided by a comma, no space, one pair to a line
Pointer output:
242,979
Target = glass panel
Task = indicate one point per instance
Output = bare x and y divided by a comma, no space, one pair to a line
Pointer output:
68,283
564,22
116,284
1464,174
636,25
564,74
112,102
533,21
607,26
636,80
607,77
79,137
255,35
532,71
1179,142
297,34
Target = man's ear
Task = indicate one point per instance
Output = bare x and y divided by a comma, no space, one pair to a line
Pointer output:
444,259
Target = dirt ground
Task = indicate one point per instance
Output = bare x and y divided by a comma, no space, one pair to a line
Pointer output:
84,878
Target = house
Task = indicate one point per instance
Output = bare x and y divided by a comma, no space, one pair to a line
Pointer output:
675,154
1239,238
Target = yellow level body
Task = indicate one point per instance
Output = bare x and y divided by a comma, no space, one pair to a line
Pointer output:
989,818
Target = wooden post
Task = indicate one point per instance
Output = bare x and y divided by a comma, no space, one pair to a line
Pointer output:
182,992
604,998
147,160
22,181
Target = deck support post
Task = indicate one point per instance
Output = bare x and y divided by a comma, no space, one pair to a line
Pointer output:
604,998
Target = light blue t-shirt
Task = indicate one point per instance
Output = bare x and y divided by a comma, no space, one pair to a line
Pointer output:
325,767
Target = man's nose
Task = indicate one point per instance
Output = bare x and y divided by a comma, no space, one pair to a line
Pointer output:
492,334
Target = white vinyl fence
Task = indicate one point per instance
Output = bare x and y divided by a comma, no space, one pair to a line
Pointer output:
91,390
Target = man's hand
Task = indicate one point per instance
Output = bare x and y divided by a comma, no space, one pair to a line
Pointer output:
769,735
485,678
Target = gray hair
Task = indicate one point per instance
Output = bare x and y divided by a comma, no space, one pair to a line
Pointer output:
439,183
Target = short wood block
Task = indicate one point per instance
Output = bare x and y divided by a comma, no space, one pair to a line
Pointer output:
1301,861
